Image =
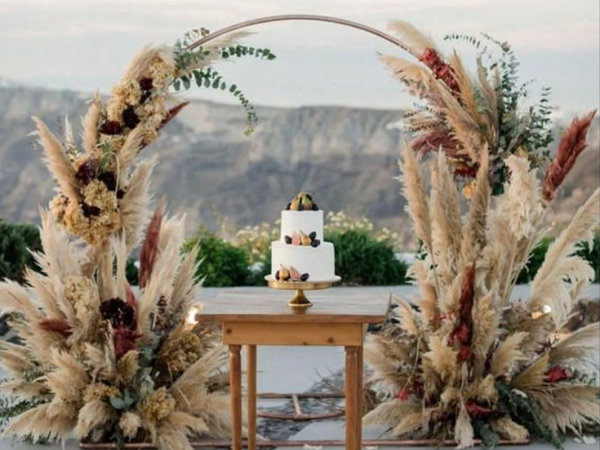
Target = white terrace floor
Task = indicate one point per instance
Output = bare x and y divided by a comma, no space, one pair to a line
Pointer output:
297,369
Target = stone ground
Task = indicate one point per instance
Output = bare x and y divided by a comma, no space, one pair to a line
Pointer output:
307,369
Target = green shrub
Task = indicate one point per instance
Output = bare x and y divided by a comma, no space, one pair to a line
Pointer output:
590,254
132,272
223,265
536,259
16,241
361,259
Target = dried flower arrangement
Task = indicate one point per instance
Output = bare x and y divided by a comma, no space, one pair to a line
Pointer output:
95,359
465,362
462,112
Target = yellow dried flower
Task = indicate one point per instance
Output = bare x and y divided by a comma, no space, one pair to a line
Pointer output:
149,134
115,141
97,194
114,109
128,92
182,352
157,406
58,207
94,229
161,72
82,293
154,111
130,423
100,391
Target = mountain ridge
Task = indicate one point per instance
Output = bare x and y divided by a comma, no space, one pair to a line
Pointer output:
208,169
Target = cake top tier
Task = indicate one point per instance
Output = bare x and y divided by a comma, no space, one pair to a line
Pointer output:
302,202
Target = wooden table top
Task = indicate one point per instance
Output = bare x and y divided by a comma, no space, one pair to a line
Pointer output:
329,306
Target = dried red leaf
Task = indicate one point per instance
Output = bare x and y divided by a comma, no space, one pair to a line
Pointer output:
150,246
570,147
557,374
403,394
433,141
477,411
464,354
440,69
172,113
56,325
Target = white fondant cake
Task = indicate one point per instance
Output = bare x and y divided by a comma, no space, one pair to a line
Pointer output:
301,221
301,254
317,262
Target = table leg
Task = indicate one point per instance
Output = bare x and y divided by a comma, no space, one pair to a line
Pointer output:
251,389
353,417
361,395
235,381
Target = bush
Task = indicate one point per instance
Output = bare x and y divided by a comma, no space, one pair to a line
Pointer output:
536,259
16,241
590,254
223,265
362,259
132,272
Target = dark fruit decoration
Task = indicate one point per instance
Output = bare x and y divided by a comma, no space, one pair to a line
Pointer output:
315,207
312,236
294,274
304,277
288,206
111,127
87,171
315,243
130,118
288,240
277,275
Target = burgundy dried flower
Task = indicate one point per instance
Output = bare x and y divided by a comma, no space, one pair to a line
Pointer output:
109,180
124,340
87,171
111,127
146,84
118,312
130,118
90,211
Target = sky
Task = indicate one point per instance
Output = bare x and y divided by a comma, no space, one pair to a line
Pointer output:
85,45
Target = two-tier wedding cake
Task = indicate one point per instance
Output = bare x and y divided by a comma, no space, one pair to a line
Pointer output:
301,254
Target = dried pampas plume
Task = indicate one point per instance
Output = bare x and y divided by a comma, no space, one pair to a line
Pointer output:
570,147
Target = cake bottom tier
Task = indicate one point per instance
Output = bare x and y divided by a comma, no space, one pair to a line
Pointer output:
318,262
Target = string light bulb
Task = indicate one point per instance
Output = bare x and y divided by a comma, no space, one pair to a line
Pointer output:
191,315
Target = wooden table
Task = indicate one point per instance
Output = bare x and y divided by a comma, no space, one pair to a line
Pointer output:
250,318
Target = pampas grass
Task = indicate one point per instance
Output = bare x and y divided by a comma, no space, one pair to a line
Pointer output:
468,345
416,40
57,161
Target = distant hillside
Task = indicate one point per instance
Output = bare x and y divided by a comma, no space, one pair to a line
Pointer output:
208,168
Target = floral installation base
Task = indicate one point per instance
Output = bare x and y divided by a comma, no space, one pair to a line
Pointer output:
220,443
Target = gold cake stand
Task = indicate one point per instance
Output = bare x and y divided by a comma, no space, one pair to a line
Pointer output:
299,300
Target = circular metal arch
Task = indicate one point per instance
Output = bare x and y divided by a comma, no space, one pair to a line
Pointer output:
301,17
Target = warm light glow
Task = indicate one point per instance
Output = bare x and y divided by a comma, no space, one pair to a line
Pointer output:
191,315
